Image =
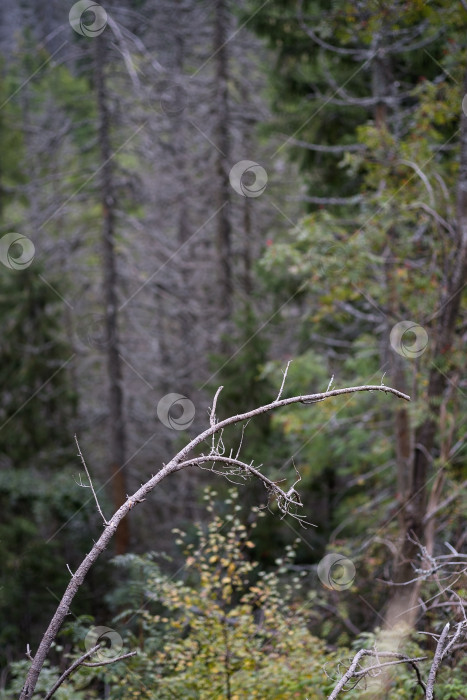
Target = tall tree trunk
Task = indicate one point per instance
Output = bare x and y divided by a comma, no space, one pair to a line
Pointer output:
403,438
222,164
114,369
186,322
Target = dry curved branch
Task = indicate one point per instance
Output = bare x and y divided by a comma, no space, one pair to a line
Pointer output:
174,465
80,662
286,501
421,175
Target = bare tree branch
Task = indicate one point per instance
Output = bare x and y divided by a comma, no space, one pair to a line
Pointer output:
353,673
79,662
354,199
320,148
436,662
174,465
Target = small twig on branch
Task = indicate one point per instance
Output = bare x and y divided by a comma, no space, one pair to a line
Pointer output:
90,482
283,380
212,417
244,426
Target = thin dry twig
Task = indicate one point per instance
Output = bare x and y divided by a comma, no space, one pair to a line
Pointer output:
284,373
90,486
212,417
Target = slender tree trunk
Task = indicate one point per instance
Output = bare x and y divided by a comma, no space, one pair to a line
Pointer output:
222,165
114,368
247,238
403,435
403,438
186,322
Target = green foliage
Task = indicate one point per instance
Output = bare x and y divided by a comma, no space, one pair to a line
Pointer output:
363,266
11,138
366,266
220,628
47,679
224,627
37,410
32,373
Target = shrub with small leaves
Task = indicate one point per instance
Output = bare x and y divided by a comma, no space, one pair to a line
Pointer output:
222,628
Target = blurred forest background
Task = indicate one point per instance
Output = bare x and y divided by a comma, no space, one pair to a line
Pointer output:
144,266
